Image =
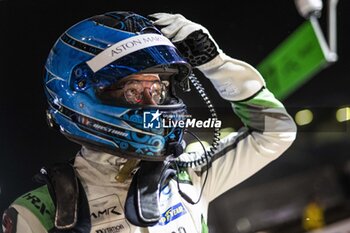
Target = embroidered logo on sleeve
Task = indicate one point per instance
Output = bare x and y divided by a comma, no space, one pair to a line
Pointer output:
40,203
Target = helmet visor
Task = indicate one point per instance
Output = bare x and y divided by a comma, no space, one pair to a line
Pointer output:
156,59
136,90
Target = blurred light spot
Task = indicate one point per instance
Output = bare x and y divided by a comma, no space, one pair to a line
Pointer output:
196,146
226,131
243,225
343,114
304,117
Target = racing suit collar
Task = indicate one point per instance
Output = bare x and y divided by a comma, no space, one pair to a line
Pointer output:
104,166
102,157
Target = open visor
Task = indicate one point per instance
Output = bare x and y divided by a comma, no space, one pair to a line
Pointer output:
129,57
139,90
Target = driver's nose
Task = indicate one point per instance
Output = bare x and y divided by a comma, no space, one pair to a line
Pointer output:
147,98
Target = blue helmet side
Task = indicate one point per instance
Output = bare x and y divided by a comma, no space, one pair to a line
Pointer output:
71,86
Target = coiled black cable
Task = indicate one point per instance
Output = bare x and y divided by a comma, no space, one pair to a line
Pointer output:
216,138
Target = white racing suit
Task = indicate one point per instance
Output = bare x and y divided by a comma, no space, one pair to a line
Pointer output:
268,132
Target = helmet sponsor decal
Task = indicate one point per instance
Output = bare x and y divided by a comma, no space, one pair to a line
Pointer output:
126,47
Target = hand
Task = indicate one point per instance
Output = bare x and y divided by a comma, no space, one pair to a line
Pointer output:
235,80
191,39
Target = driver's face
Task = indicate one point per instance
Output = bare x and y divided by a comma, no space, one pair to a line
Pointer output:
138,89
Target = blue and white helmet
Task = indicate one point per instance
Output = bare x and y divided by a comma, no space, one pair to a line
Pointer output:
95,54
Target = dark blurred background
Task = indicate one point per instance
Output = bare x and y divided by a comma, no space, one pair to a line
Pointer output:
271,201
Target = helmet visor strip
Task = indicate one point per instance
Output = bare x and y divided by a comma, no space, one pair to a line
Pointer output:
161,58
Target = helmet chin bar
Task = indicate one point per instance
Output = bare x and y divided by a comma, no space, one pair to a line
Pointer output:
129,138
101,147
173,150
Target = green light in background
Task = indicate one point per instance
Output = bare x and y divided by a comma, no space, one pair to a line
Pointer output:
196,146
226,131
304,117
343,114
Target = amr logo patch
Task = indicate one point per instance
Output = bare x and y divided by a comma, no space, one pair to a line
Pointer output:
107,215
105,209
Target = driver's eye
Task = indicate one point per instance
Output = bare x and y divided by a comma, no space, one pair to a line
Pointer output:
133,96
133,92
